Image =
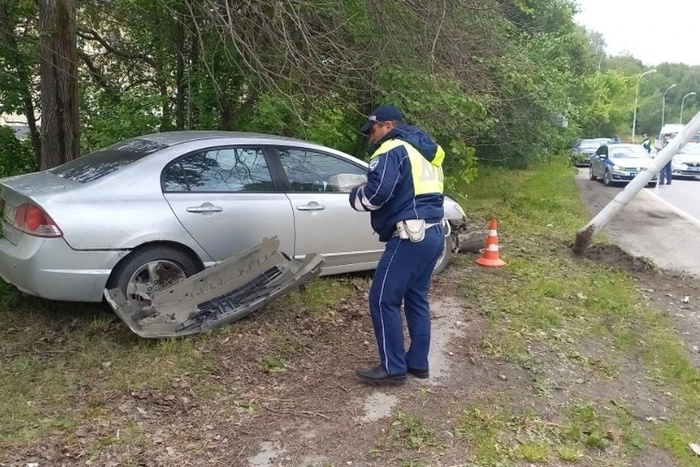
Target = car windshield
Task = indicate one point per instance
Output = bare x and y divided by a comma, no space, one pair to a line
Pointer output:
690,148
105,161
590,144
628,152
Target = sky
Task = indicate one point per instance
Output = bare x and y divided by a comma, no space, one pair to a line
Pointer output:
653,31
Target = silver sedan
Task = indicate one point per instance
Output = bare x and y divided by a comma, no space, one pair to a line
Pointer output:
149,211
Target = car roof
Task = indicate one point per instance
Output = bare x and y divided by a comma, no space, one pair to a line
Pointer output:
171,138
671,127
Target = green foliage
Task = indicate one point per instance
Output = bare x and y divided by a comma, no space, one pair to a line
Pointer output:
610,92
16,157
446,111
490,82
106,123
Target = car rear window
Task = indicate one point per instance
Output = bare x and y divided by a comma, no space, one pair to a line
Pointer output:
105,161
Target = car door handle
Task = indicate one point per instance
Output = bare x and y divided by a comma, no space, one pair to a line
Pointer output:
205,209
311,207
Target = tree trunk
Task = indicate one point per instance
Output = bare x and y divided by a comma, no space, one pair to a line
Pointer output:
59,83
193,84
33,130
166,121
226,116
180,84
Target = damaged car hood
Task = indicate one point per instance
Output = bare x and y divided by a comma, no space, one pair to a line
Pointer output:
219,295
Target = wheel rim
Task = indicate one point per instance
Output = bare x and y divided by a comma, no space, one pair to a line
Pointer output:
606,178
442,256
152,277
590,173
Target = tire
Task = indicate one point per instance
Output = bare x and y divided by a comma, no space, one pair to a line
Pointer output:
607,178
651,185
133,276
590,174
445,257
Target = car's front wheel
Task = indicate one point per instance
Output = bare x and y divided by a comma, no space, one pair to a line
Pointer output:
591,176
151,269
445,257
607,178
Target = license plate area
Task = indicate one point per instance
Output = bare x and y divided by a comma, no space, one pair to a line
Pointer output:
8,214
7,229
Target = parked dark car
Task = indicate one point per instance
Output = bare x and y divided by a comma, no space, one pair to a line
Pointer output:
583,149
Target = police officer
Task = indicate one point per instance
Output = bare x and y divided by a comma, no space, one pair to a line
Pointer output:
646,143
404,195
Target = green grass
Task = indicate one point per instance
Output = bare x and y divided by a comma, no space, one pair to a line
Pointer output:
586,313
406,431
321,296
61,365
502,435
64,367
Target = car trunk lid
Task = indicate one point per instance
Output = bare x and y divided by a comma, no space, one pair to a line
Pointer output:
31,188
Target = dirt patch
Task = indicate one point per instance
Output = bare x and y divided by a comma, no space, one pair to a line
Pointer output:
613,256
282,392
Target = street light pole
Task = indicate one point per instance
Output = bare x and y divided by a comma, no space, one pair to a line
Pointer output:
682,102
663,105
636,96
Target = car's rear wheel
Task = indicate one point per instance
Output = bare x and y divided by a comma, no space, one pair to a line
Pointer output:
445,257
590,174
607,178
151,269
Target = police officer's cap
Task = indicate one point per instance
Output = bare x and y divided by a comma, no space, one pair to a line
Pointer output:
384,113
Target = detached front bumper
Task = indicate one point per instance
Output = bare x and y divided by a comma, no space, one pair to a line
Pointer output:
218,295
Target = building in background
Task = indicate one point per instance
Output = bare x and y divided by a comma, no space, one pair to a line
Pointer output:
18,124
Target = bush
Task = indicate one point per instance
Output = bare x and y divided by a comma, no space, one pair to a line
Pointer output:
16,157
576,158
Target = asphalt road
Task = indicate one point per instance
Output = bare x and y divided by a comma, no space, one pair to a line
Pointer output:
663,227
683,194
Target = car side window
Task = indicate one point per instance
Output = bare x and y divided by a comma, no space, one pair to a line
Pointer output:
601,151
311,171
225,170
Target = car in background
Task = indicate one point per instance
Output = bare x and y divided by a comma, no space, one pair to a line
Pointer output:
583,149
670,131
149,211
619,163
687,162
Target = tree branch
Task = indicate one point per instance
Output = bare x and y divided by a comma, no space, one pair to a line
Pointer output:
92,35
111,90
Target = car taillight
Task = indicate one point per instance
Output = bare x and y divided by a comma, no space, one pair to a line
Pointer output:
33,220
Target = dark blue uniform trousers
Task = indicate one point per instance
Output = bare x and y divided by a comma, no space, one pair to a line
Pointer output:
404,274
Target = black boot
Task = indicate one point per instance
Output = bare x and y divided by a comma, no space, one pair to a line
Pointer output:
378,375
420,374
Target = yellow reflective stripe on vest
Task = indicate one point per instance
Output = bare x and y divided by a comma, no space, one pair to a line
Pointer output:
427,177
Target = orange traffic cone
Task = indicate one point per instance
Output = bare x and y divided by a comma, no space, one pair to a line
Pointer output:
491,256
